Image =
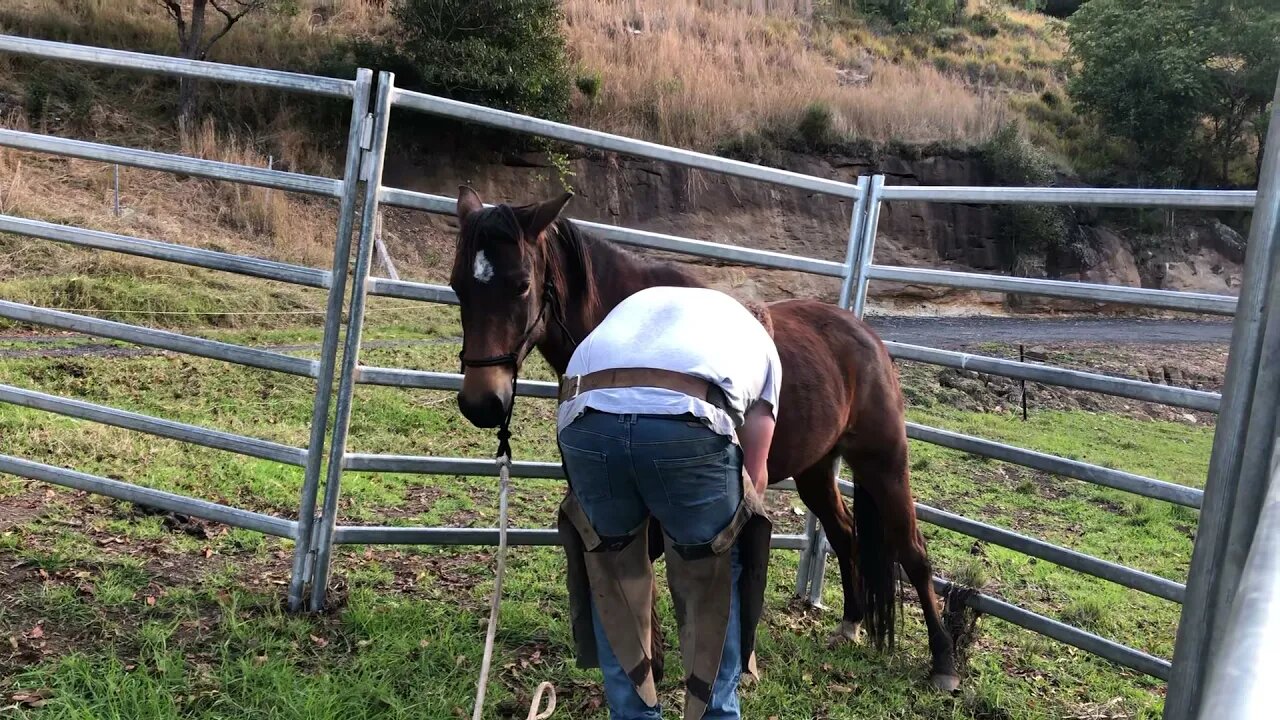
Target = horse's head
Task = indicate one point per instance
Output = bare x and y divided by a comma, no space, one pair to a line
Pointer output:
501,273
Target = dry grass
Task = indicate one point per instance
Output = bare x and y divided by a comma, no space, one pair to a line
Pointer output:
691,74
189,211
266,39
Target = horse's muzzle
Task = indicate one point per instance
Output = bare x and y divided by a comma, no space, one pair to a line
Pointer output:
485,410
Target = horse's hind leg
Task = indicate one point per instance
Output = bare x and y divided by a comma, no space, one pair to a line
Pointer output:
882,473
819,492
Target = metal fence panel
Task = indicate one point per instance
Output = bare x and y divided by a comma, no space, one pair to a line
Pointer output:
1064,377
1065,557
616,143
303,552
1210,569
197,257
181,164
646,239
163,339
1094,644
217,439
1066,289
1107,477
1099,197
201,69
372,172
1239,682
430,380
150,497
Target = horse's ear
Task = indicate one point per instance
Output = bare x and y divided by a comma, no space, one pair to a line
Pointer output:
539,217
468,202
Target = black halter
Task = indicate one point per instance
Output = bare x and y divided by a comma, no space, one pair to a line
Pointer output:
549,300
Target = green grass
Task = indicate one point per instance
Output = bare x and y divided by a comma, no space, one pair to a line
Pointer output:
147,621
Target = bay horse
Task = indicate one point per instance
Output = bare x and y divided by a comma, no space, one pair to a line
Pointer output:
526,278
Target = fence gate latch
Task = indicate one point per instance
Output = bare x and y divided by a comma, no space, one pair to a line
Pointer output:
366,143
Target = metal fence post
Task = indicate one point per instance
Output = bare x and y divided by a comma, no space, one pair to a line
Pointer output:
1239,686
329,344
859,301
811,571
1215,566
323,540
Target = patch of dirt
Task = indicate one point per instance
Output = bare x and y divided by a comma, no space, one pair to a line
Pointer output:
418,499
1197,367
18,510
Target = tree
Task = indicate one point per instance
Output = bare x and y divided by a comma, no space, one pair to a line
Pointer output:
1143,72
502,53
1185,81
195,40
1243,68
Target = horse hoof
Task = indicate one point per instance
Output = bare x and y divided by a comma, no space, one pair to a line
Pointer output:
949,684
847,632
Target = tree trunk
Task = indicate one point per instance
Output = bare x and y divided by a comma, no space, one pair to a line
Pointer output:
189,47
186,105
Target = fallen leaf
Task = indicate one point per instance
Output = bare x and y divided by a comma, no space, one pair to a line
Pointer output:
423,642
319,641
843,689
36,632
13,642
208,551
43,574
151,600
32,698
130,667
363,643
260,660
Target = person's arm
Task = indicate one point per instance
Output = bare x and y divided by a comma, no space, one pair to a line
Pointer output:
755,436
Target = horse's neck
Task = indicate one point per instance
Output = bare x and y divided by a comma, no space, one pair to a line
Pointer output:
616,275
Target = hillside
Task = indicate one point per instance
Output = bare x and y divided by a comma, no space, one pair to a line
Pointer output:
816,87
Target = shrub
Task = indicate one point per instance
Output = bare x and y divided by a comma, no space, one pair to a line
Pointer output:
1026,231
507,54
816,126
589,85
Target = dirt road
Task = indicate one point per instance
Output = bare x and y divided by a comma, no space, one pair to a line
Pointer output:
960,331
945,332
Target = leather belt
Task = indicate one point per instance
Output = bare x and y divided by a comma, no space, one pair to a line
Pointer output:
573,386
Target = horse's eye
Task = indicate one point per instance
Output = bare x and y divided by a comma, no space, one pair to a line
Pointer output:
522,286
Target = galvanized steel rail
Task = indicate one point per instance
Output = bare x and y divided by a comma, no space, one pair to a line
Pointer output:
366,145
357,93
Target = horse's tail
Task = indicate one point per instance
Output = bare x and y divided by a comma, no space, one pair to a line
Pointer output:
877,580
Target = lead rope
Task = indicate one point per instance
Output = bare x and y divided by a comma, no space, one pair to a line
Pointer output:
495,603
504,479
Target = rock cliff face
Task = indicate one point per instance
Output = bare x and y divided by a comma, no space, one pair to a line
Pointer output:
1193,254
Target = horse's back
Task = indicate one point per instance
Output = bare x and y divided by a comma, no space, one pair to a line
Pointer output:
838,382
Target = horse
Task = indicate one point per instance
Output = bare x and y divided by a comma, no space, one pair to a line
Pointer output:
526,278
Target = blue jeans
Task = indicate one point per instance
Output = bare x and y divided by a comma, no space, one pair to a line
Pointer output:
624,468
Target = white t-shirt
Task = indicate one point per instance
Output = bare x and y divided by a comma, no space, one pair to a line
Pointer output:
696,331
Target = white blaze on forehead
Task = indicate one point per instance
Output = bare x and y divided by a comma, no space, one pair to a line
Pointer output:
482,269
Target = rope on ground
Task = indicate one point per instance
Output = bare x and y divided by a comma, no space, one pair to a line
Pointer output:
495,603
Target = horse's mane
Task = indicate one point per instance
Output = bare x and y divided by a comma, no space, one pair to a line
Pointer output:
574,275
584,258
